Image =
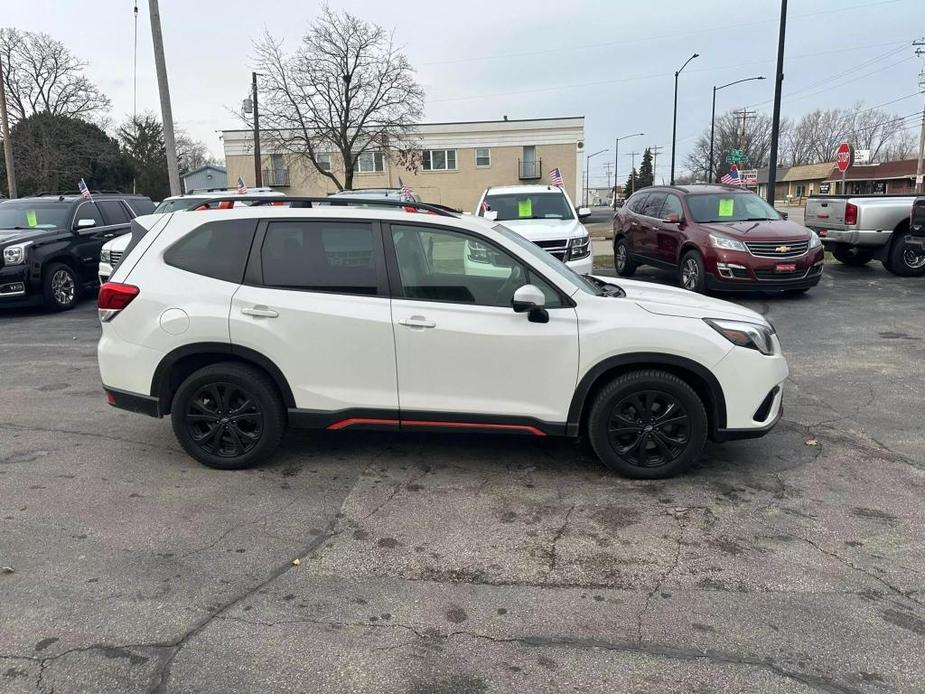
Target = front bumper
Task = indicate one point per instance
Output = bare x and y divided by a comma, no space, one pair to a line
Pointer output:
753,388
17,287
583,266
738,271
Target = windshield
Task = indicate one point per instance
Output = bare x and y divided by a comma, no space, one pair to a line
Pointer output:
515,206
15,214
550,261
732,207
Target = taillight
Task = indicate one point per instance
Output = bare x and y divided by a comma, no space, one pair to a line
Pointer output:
851,213
113,298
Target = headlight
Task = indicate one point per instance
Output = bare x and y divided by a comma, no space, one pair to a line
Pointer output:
814,240
726,244
104,255
15,254
744,334
579,248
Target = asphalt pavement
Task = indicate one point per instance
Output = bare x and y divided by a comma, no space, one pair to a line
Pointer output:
450,564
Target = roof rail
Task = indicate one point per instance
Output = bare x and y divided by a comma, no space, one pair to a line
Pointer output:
292,201
50,193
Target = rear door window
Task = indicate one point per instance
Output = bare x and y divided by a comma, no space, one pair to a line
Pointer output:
216,249
322,256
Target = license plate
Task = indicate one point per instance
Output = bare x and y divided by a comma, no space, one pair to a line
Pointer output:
786,267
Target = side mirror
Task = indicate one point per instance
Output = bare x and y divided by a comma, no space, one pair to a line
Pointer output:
584,212
784,215
491,215
917,220
85,223
530,299
673,218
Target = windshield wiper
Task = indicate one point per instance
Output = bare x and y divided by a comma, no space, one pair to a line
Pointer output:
16,228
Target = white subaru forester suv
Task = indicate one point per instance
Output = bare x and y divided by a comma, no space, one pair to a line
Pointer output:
241,322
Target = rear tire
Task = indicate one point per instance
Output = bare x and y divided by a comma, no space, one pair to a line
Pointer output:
903,260
693,273
853,255
228,416
60,287
622,260
647,424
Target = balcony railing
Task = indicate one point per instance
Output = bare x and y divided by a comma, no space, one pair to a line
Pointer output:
277,178
530,170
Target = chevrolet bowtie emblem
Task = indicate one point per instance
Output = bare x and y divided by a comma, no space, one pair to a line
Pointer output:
782,249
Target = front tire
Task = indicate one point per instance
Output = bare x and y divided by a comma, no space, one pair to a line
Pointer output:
228,416
60,288
693,273
622,261
854,256
647,425
904,260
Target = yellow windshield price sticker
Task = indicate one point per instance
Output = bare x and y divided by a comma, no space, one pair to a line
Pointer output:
31,218
726,206
525,208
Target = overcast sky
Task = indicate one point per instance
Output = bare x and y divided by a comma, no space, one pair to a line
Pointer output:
611,61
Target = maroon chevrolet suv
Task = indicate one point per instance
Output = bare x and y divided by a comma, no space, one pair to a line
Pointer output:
717,238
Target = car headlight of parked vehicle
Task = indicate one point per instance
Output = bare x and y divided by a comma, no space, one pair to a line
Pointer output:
104,255
814,240
726,244
744,334
579,248
15,254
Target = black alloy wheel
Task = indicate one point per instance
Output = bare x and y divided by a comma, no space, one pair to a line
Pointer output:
228,416
649,428
224,420
647,424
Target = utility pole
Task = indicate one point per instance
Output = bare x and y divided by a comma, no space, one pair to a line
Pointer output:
7,142
775,118
258,169
173,172
616,163
655,149
633,169
607,171
920,166
746,116
135,89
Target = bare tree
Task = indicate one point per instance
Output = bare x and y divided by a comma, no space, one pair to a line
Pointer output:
346,89
42,75
903,145
755,144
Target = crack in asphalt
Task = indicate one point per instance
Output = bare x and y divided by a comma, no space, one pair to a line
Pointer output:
661,580
89,434
648,648
553,549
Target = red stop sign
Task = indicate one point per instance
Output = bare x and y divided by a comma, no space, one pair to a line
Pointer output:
843,156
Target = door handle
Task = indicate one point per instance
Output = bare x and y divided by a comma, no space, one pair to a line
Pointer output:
260,312
417,322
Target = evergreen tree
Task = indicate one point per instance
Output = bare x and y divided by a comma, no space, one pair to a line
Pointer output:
632,184
646,173
143,144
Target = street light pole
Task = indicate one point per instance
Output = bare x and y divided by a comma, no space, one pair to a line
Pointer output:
674,120
258,169
775,118
7,142
713,121
616,163
588,169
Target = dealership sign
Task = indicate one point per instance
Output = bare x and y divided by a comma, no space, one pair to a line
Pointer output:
749,177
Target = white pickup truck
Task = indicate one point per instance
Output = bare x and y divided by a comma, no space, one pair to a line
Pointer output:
859,228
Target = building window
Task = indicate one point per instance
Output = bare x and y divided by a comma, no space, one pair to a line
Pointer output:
483,157
801,190
438,160
370,162
324,160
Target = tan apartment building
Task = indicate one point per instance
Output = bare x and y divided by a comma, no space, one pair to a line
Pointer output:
458,160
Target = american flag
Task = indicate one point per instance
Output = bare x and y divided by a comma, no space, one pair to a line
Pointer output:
555,177
242,186
405,191
484,207
732,178
84,191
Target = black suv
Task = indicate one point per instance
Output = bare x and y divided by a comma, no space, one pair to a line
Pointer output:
50,244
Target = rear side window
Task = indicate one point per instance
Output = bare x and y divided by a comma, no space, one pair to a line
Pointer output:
321,256
114,212
216,249
637,202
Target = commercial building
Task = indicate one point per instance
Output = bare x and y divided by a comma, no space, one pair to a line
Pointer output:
456,161
796,183
886,178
